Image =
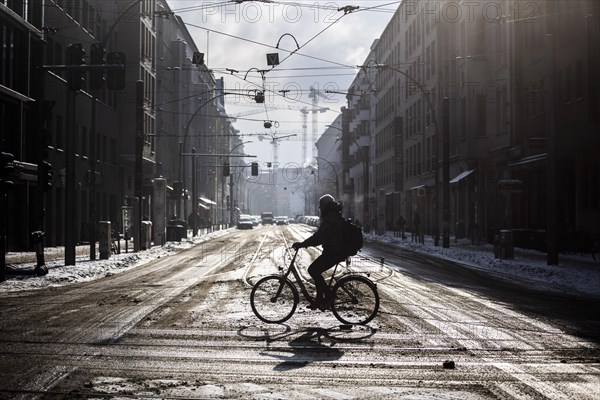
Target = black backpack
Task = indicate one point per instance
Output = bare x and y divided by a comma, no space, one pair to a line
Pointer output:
353,238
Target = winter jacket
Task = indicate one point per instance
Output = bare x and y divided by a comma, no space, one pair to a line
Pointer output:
329,234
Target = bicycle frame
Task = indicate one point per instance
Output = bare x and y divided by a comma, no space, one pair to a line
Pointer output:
292,269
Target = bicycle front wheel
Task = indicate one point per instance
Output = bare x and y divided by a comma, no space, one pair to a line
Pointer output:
274,299
356,300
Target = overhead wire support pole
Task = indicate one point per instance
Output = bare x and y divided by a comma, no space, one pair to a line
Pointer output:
139,162
182,172
445,188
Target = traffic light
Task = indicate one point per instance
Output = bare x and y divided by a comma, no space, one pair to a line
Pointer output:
259,97
7,167
45,172
115,79
254,169
226,170
97,57
75,57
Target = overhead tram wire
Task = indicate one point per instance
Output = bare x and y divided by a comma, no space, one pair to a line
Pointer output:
310,5
268,45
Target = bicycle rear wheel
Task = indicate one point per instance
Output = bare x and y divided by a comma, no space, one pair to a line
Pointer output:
356,300
274,299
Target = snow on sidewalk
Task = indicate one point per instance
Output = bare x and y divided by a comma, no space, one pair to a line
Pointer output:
576,274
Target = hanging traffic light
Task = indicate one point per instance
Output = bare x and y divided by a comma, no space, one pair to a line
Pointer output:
45,172
254,169
259,97
75,58
226,170
97,57
7,165
115,79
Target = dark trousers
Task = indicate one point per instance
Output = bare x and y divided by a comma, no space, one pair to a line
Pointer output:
324,262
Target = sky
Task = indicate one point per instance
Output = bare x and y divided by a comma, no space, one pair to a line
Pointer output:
319,47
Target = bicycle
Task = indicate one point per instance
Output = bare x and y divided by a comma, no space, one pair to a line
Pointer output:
274,298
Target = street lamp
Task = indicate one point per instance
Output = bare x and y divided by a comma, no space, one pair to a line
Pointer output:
231,183
446,164
182,175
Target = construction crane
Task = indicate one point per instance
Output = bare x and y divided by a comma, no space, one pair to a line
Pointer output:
304,110
275,142
262,109
314,94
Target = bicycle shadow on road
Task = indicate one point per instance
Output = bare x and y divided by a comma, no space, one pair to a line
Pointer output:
308,345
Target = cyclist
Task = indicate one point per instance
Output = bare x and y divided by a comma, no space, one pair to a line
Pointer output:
329,235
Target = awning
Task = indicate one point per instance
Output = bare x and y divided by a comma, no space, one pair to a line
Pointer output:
203,206
461,176
529,159
417,187
207,201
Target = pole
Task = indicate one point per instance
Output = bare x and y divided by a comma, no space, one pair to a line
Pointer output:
70,189
231,202
194,196
3,228
552,224
139,149
446,175
93,157
180,194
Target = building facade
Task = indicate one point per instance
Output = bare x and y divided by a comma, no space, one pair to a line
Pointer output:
482,120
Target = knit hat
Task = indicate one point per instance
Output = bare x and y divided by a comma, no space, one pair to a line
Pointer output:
326,201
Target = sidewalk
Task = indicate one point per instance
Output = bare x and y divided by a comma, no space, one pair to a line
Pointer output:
573,274
482,249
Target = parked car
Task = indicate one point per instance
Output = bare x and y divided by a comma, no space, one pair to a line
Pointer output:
255,219
244,222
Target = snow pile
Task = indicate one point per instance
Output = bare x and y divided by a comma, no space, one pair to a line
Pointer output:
22,276
574,273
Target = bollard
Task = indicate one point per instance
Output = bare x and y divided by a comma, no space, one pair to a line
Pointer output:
507,244
104,239
146,239
38,242
496,246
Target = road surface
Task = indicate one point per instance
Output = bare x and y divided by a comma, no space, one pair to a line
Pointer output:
181,327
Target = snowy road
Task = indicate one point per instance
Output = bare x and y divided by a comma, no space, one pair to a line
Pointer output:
181,326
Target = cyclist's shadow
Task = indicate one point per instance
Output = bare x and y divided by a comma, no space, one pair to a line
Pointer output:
303,350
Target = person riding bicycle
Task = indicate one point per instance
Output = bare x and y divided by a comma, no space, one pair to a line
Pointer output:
329,235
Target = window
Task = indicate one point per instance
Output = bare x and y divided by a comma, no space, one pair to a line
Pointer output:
463,118
579,79
481,116
569,84
84,141
58,138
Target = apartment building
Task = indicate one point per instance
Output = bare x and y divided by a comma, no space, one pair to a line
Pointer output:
21,36
489,110
358,168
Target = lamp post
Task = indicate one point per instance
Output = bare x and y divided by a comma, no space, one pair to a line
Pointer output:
231,184
182,174
445,154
